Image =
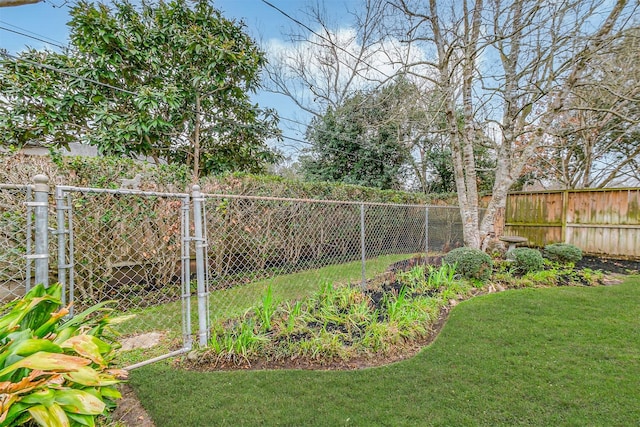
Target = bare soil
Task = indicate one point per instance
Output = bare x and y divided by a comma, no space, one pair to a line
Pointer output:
130,411
609,265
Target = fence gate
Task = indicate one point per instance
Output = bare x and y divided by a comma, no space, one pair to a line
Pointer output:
132,247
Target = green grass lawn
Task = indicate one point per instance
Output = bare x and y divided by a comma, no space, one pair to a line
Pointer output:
556,356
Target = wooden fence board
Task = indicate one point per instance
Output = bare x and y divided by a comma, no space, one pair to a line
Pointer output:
599,221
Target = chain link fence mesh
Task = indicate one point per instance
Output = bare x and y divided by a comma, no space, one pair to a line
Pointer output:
295,246
128,247
15,241
138,248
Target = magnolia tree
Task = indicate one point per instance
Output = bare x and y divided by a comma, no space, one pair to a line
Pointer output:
169,80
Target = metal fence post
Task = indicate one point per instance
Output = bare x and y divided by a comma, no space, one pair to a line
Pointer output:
186,274
41,211
62,232
363,247
200,245
28,267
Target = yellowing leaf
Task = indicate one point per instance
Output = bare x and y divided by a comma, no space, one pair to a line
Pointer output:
25,385
84,376
59,414
53,416
79,402
90,377
87,346
121,374
48,362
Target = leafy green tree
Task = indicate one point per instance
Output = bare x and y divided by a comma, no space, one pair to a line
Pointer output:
175,79
387,138
356,143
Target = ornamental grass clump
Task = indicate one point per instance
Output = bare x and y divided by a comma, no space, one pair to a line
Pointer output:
54,372
470,263
563,253
525,260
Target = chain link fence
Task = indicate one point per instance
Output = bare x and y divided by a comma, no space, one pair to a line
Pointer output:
16,240
294,246
130,247
169,258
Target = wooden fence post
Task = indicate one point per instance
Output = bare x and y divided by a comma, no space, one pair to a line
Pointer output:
565,207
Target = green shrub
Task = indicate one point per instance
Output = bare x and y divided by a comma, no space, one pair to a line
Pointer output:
562,252
54,372
471,263
525,260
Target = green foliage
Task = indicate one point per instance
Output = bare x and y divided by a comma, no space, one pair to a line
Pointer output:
339,321
577,364
52,371
185,74
106,171
470,263
267,309
443,181
357,143
335,322
525,260
427,278
415,278
562,253
444,276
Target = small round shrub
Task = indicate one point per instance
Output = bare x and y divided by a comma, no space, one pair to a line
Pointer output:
525,260
471,263
562,252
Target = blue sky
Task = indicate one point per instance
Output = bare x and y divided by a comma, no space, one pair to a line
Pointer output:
47,21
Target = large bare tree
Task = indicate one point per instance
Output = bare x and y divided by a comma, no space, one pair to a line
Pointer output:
503,72
597,142
509,66
323,63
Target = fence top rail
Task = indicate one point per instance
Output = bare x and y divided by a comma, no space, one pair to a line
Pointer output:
329,202
575,190
69,188
16,186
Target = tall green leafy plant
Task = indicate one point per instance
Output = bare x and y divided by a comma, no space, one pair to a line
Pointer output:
176,82
266,310
54,372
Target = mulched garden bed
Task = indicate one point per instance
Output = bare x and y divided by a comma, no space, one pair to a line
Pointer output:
618,266
378,286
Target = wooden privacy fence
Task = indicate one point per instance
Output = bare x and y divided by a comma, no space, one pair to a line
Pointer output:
599,221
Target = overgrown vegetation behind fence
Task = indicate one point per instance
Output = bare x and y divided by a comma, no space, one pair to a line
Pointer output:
106,172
